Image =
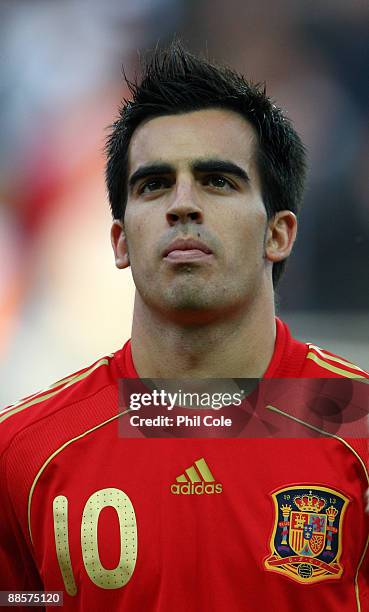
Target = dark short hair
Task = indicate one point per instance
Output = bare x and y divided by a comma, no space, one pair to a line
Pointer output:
174,81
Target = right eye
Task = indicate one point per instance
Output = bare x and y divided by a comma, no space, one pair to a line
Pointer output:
152,185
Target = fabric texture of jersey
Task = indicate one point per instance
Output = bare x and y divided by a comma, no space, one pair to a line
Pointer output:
159,524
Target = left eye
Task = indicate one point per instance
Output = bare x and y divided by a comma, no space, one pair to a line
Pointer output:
218,181
153,185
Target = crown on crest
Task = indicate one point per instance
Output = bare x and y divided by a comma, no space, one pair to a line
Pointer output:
286,509
309,503
331,513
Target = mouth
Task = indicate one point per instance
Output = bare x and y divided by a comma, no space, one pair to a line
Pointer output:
186,250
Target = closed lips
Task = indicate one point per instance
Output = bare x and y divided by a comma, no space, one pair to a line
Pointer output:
186,245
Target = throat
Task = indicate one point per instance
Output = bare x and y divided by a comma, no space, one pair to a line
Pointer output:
230,349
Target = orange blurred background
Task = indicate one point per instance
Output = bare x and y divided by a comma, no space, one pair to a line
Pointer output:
62,302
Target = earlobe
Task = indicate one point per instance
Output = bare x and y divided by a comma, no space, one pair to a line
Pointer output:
281,235
119,244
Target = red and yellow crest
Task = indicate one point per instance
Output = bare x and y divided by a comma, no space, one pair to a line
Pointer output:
306,540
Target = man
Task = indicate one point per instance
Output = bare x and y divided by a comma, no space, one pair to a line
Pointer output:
205,176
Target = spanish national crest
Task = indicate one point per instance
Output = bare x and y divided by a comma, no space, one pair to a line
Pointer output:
306,540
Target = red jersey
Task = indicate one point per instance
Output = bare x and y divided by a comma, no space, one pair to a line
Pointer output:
201,524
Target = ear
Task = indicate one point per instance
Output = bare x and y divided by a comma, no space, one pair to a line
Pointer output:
280,236
119,244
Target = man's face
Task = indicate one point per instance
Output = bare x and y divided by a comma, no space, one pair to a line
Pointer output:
193,177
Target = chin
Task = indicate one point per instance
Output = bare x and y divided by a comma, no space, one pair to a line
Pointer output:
193,300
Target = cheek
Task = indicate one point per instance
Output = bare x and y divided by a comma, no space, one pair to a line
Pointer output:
246,234
141,221
134,230
140,241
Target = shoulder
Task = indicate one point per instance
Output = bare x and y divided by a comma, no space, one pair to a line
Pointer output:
37,427
296,359
68,393
324,364
293,358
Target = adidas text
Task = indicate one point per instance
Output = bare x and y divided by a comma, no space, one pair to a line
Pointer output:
201,488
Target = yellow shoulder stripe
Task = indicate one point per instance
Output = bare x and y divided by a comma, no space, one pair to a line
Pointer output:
332,368
58,383
37,398
334,358
28,398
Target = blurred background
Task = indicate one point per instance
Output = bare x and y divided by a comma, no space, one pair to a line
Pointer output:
62,302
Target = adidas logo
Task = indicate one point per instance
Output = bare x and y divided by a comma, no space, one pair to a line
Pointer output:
196,480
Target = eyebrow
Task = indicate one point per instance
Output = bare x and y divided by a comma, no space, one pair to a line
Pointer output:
219,165
201,166
156,169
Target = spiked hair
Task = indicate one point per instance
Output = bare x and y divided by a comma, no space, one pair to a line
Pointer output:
174,82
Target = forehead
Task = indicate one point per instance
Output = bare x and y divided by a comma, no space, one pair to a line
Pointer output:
179,139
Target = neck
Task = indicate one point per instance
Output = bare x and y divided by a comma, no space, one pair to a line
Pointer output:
238,347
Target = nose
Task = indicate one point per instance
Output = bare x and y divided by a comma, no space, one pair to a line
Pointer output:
184,207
